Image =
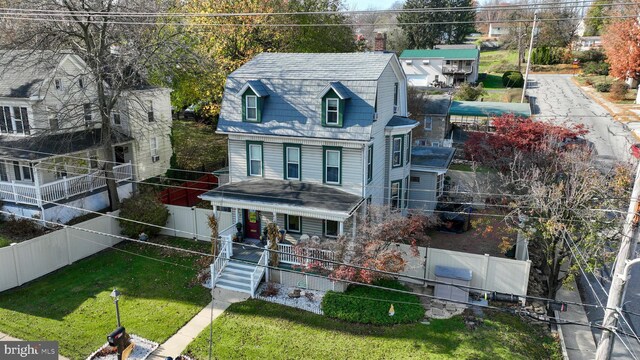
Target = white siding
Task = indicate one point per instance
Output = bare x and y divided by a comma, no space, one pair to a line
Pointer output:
311,164
422,194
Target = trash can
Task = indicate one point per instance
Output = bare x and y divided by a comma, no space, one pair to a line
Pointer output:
453,276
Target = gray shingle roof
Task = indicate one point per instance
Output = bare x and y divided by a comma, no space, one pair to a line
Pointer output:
437,104
401,121
22,72
431,157
284,192
294,82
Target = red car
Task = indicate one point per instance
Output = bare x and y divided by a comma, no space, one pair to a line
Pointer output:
635,150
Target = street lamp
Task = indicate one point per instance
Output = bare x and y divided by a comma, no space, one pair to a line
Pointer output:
115,295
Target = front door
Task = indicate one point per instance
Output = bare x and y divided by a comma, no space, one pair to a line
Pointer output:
119,152
252,224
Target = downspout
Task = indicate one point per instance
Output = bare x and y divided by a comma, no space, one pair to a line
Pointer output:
36,183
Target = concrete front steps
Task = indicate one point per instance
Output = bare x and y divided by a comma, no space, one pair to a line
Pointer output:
236,276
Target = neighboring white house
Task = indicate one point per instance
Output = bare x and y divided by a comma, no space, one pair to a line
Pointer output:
497,30
50,136
584,43
441,67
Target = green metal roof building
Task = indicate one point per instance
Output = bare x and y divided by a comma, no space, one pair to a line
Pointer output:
488,108
451,54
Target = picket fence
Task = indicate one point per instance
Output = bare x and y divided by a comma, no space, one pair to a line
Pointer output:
31,259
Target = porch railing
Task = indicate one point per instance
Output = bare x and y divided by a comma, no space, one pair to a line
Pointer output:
289,255
257,274
226,238
63,188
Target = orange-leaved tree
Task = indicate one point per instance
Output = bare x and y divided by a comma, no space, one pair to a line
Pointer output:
621,42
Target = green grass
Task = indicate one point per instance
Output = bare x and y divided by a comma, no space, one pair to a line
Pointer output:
494,57
197,146
73,306
4,241
466,167
353,307
492,81
260,330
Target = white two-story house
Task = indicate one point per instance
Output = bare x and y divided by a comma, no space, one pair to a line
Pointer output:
445,67
312,138
51,155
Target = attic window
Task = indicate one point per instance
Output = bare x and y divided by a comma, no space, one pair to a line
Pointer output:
253,95
251,102
333,106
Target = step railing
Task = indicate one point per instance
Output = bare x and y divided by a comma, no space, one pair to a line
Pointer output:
217,267
259,271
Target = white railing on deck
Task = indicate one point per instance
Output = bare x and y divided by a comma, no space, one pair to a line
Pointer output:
63,188
257,274
221,261
288,255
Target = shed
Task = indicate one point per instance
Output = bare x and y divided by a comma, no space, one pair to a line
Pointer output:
453,276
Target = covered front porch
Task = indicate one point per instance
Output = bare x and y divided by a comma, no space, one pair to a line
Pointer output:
302,211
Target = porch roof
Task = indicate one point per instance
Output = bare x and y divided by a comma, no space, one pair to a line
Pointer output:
286,197
38,147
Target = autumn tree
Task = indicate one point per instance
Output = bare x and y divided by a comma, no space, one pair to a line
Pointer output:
620,42
227,42
424,29
550,186
373,247
118,51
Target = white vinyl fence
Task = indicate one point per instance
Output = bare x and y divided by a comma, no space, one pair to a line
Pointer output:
488,272
31,259
185,222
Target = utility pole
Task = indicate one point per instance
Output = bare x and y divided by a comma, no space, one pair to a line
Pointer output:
526,74
620,276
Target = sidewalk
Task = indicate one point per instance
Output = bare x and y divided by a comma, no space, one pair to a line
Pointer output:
5,337
176,344
577,340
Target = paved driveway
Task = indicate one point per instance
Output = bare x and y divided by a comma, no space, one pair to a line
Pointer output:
558,98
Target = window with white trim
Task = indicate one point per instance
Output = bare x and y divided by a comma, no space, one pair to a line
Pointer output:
397,151
332,166
331,228
293,223
153,149
20,121
251,104
150,116
428,123
22,172
292,161
87,113
115,117
333,106
255,160
6,126
395,199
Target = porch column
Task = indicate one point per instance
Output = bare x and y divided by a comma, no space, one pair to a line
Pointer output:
36,183
341,228
275,217
353,230
237,215
215,211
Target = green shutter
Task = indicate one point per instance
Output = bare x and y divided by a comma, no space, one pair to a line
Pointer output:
370,165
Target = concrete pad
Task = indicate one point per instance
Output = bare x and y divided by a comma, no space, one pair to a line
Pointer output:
577,339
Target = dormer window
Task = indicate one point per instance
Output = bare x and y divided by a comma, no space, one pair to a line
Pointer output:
251,108
333,107
253,95
334,98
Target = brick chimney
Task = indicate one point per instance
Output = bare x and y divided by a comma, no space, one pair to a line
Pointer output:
381,42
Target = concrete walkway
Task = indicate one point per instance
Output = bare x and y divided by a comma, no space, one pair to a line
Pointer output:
176,344
577,340
5,337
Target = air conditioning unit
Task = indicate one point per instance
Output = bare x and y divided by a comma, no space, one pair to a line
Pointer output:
155,158
375,116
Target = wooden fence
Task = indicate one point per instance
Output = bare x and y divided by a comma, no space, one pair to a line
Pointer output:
187,193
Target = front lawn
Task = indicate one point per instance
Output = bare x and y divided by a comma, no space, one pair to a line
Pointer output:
492,81
73,306
493,59
370,305
260,330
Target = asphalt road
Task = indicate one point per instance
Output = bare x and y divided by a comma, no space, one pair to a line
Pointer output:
558,99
